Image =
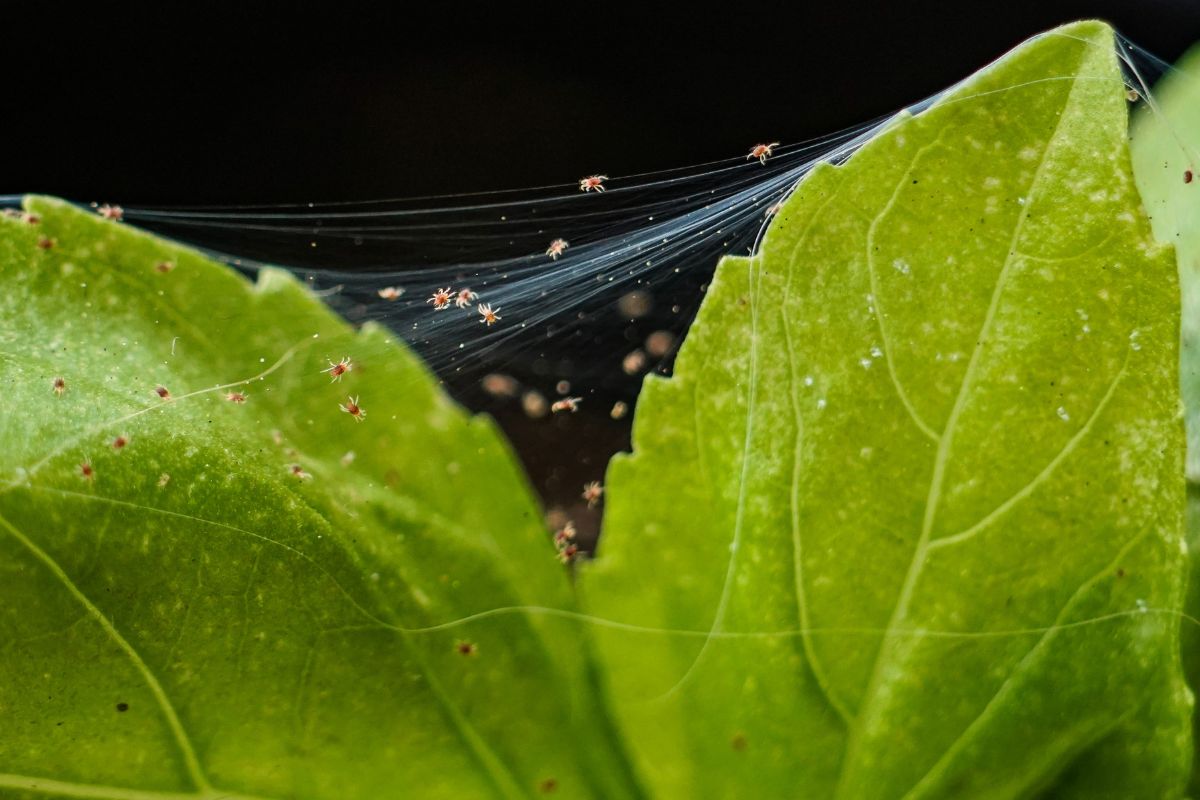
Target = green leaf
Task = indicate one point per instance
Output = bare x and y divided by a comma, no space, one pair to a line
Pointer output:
1165,141
198,621
1165,145
906,522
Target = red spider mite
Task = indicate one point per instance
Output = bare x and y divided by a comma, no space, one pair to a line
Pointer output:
441,298
566,404
352,408
592,182
465,298
488,314
115,213
163,392
761,152
556,248
30,219
120,442
592,492
85,471
336,371
237,398
564,534
568,553
58,386
466,648
45,242
164,267
390,292
299,472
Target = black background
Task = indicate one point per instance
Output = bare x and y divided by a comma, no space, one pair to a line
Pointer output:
272,104
252,103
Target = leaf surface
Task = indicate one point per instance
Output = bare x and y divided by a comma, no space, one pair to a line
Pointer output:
196,620
1166,146
906,521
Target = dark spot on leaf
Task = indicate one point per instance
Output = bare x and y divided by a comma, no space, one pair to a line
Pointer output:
1120,572
738,742
122,707
547,786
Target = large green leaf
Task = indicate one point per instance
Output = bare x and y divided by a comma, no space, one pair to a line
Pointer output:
196,620
906,522
1166,147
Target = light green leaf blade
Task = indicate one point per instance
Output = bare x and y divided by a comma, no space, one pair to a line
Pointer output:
1166,145
198,620
890,528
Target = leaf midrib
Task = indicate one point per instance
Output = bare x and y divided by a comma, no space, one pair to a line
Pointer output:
868,707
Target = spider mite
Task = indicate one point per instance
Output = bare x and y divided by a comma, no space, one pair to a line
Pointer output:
441,298
568,553
465,298
120,442
390,292
85,470
592,492
556,248
237,398
58,386
163,392
489,314
761,152
115,213
30,219
466,648
352,408
299,472
336,371
45,242
163,267
564,534
592,182
566,404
